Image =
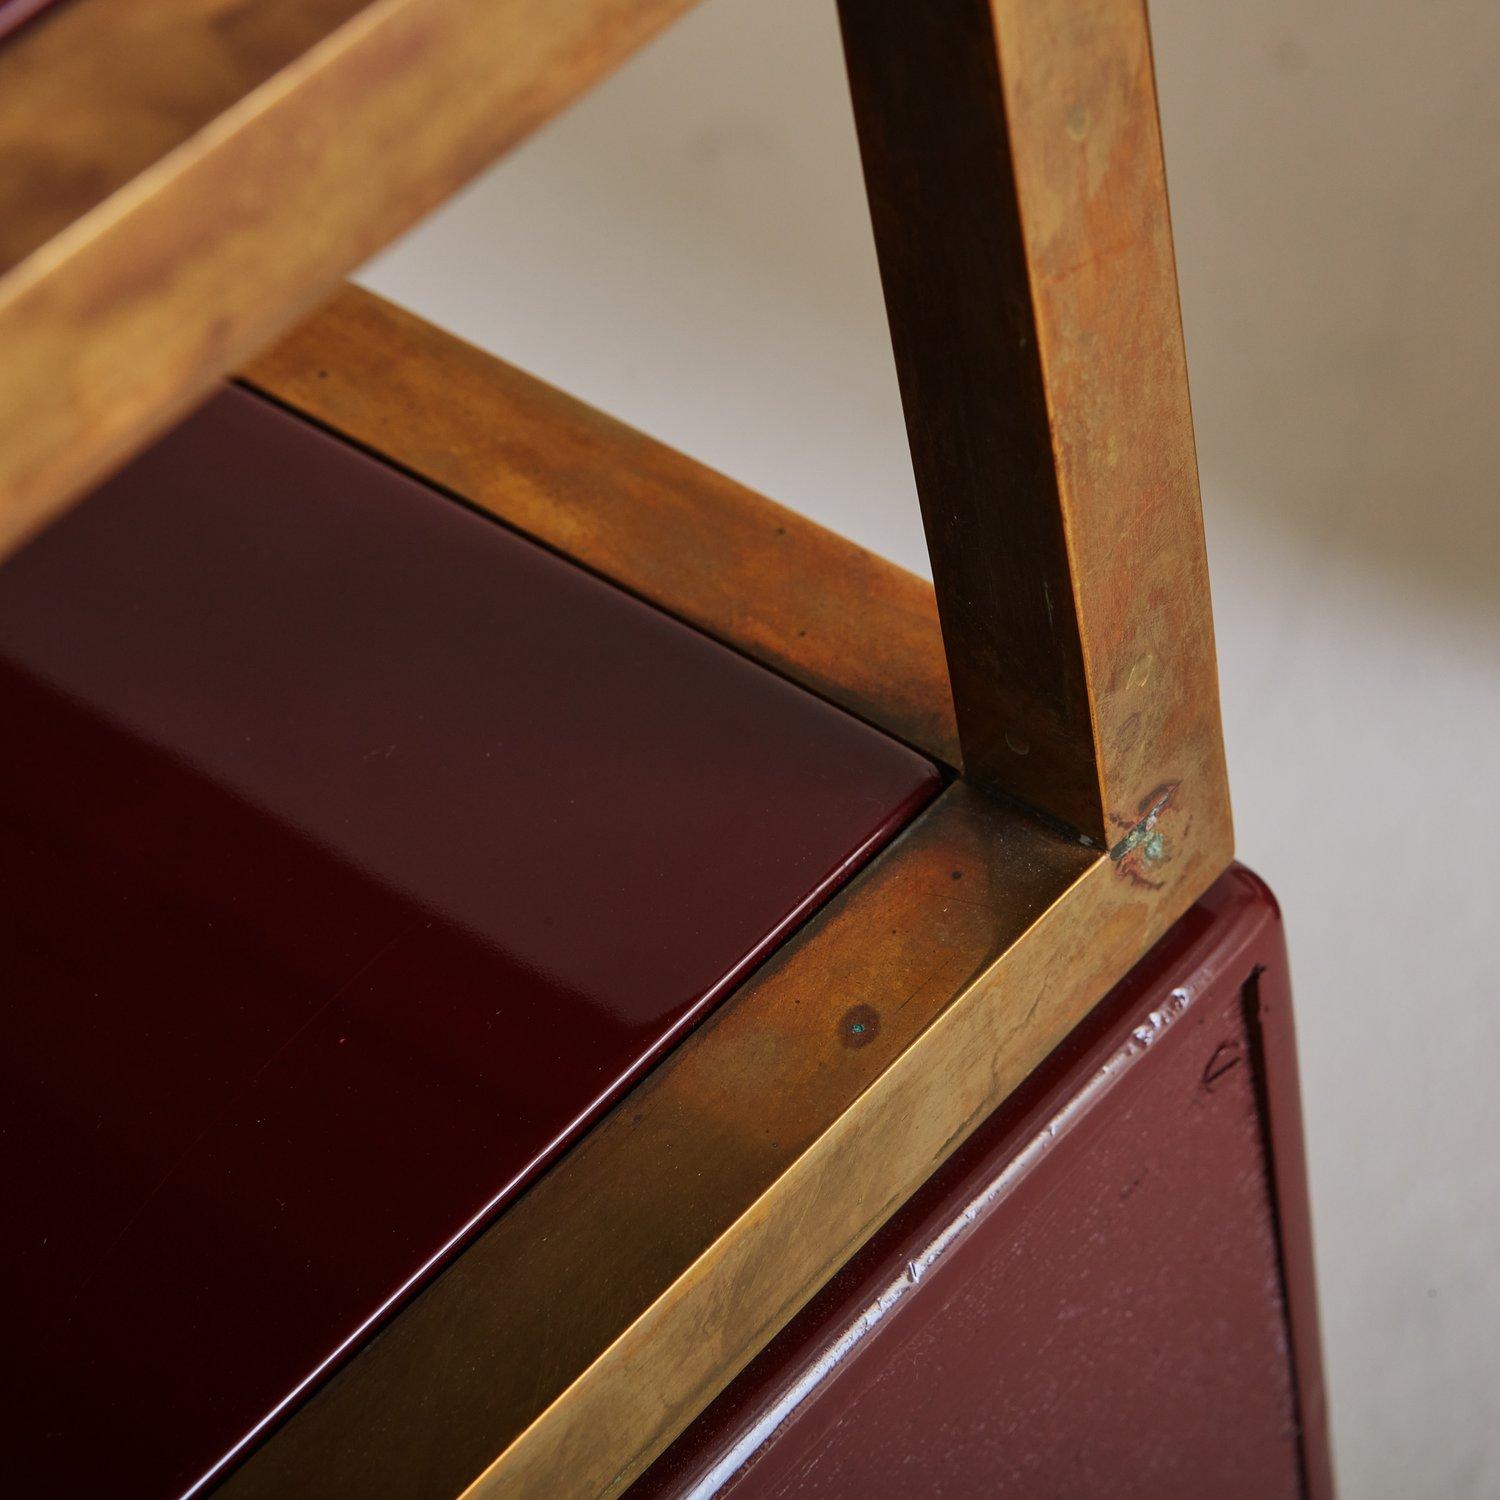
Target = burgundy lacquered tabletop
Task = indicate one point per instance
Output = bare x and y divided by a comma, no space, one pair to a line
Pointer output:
354,853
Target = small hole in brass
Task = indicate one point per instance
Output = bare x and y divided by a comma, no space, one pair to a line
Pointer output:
860,1026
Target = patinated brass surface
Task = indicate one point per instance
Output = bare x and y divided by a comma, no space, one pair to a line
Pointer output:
182,179
1014,162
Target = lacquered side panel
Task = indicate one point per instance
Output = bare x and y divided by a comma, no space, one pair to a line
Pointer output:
1106,1291
353,853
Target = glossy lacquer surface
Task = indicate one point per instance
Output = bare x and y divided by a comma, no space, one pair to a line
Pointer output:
14,13
353,851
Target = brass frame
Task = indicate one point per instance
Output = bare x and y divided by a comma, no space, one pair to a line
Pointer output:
597,1316
1026,252
185,178
1021,218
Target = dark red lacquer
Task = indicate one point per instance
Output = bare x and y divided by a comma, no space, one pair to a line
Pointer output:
1126,1308
353,853
15,13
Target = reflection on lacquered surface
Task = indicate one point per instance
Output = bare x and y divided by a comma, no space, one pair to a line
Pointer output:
353,852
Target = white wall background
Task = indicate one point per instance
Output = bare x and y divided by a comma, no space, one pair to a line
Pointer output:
689,249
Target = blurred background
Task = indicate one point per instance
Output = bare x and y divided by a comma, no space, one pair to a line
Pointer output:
689,249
